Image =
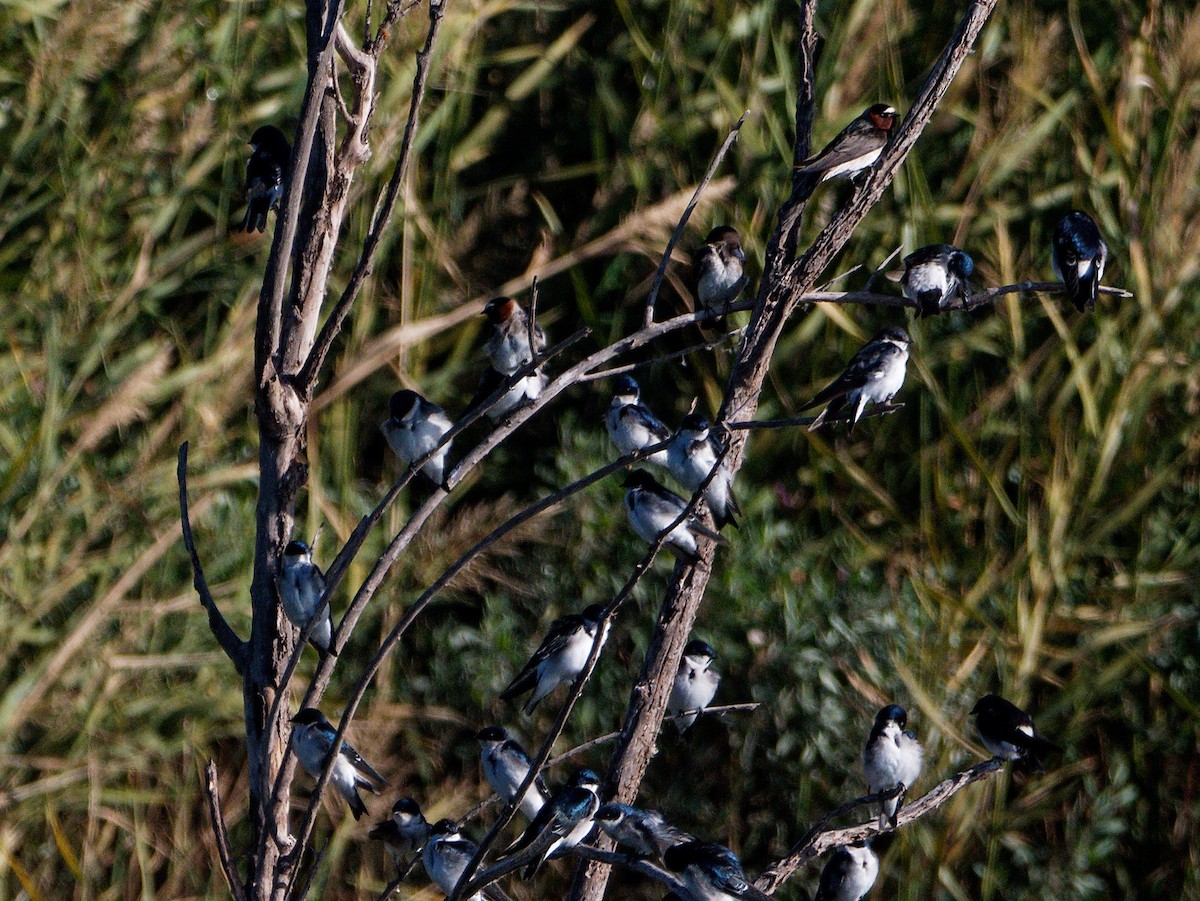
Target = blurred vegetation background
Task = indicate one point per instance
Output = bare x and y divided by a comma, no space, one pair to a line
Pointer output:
1027,524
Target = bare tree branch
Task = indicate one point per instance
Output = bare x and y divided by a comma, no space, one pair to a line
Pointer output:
213,792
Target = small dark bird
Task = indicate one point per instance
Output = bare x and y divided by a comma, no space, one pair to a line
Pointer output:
644,832
301,587
1079,257
313,741
631,425
265,174
414,428
1008,732
695,684
446,856
937,277
891,759
506,764
873,376
560,657
717,267
508,343
652,508
566,820
404,832
710,872
849,875
856,147
691,456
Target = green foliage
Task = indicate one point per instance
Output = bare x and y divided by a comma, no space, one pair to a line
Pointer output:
1027,524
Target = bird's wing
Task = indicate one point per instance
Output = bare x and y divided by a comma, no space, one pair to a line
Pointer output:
364,768
853,141
556,639
647,420
1070,265
862,368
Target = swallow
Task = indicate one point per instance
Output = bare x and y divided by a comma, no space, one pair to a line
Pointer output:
506,764
266,172
1079,256
891,759
710,872
718,267
560,657
508,343
873,375
937,277
856,147
652,508
849,875
301,587
413,429
695,684
644,832
404,832
313,739
631,425
691,456
1008,732
522,391
445,858
563,823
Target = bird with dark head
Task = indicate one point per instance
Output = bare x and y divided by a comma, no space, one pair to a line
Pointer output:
718,268
691,456
1079,256
695,684
631,425
849,874
892,759
266,173
565,821
652,509
873,376
855,149
413,429
937,277
301,590
312,737
1008,732
506,764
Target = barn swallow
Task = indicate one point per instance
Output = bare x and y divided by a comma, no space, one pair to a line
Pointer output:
856,147
301,587
414,428
717,267
1079,257
631,425
695,684
937,277
266,172
874,375
313,739
404,832
849,875
560,657
710,872
1008,732
691,456
645,832
566,820
445,857
891,759
508,343
506,764
652,508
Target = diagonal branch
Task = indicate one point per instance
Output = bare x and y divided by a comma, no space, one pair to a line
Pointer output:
213,792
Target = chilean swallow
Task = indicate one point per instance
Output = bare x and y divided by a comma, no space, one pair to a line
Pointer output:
873,375
414,428
301,586
313,740
849,875
506,764
1008,732
710,872
691,456
524,390
560,657
1079,257
891,759
856,147
446,856
508,343
652,508
718,267
695,684
404,832
566,820
265,175
645,832
631,425
937,277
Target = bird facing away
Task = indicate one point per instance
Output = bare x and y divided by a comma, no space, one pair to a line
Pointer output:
891,759
560,657
404,832
1008,732
563,823
691,456
849,874
644,832
445,858
506,764
301,587
937,277
856,147
873,376
413,429
695,684
1079,257
313,741
718,267
710,872
652,508
508,341
266,172
520,392
631,425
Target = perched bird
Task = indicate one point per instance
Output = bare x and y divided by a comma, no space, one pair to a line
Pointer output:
695,684
301,586
645,832
1008,732
404,832
856,147
937,277
562,823
506,764
652,508
873,375
414,428
1079,257
891,759
691,456
508,343
710,872
265,175
445,858
849,875
313,740
523,391
560,657
717,267
631,425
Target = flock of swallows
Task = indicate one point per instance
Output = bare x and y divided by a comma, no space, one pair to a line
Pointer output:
936,277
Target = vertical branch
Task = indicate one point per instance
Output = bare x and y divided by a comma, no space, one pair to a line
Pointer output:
213,793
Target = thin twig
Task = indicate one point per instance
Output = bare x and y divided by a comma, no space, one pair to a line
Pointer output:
531,320
633,367
391,887
213,792
879,269
809,420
